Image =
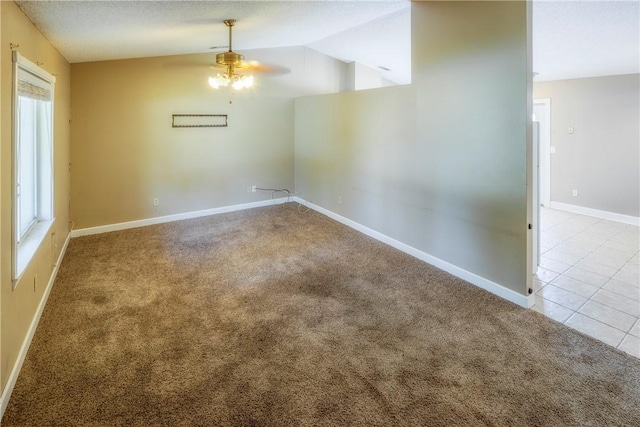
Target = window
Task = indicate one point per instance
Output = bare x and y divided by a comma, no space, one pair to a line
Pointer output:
32,160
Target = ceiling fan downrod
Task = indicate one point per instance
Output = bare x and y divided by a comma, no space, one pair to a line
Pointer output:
229,23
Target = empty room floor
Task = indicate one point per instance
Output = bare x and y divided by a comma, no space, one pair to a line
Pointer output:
589,277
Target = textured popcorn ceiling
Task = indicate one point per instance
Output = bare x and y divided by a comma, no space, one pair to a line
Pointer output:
585,38
570,38
97,30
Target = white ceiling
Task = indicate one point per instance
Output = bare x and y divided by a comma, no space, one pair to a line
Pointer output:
573,39
570,38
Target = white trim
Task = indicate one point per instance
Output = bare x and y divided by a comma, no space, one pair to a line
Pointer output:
13,377
23,68
611,216
494,288
28,247
170,218
33,68
544,152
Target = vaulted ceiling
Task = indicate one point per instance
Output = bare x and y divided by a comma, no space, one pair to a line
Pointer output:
570,38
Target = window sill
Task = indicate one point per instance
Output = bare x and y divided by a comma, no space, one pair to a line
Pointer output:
28,247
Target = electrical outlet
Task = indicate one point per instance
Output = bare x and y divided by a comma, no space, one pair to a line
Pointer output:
253,188
156,202
339,200
574,193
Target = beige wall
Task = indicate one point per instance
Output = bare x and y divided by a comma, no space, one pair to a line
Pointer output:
19,306
601,159
441,164
125,152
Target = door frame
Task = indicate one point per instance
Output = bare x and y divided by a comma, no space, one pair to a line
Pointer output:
545,151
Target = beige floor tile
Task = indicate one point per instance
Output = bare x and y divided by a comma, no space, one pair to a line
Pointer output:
545,275
576,286
588,220
550,241
575,250
587,277
564,298
595,329
596,267
585,242
630,248
600,233
635,260
610,226
631,345
635,329
595,251
608,316
613,253
605,260
564,257
631,268
552,310
617,301
552,265
629,235
544,248
629,291
630,277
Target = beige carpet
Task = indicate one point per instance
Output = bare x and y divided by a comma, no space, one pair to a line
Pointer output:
278,318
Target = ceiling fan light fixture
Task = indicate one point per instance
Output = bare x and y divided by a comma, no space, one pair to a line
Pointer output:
240,82
247,81
219,80
230,60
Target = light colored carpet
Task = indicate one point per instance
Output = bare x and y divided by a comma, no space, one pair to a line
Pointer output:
278,318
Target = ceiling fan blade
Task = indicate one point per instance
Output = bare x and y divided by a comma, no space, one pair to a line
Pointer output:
254,67
264,68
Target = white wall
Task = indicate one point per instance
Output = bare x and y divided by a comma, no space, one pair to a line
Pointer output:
362,77
601,159
439,165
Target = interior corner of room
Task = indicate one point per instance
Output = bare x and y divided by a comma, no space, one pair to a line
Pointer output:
438,166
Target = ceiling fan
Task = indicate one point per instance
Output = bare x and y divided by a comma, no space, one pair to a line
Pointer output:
229,62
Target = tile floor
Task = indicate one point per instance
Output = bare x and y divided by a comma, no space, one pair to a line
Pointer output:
589,277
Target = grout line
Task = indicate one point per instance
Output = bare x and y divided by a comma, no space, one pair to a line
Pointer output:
601,243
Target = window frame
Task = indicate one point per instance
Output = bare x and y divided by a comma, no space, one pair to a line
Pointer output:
25,245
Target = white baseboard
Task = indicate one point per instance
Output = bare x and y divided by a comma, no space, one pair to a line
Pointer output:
611,216
13,377
488,285
170,218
